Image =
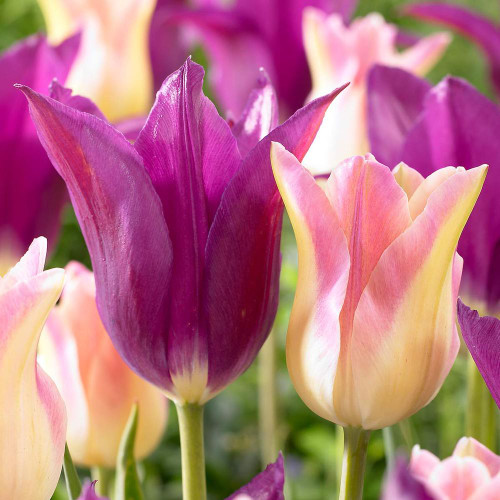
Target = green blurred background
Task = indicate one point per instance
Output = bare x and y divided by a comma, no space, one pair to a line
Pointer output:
309,443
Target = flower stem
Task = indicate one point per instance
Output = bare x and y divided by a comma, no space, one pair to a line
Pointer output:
268,408
481,409
192,451
353,465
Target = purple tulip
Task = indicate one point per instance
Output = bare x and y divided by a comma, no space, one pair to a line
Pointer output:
481,30
268,485
482,336
88,492
31,193
431,128
241,39
183,226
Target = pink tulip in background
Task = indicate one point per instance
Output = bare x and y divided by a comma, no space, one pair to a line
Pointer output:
337,54
97,386
471,473
372,332
33,418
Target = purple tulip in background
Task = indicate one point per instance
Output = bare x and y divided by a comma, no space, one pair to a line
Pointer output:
482,336
183,227
268,485
238,40
431,128
31,192
88,492
479,29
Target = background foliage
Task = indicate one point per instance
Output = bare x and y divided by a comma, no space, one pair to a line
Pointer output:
309,443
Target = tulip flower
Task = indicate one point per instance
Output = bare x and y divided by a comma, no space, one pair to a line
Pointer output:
471,473
482,337
189,294
99,389
88,492
268,485
481,30
112,66
336,54
372,330
240,39
31,193
33,418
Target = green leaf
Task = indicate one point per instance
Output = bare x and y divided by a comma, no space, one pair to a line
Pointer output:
72,480
127,484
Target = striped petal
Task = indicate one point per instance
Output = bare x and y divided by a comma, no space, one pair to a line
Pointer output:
33,423
408,178
482,337
407,310
313,339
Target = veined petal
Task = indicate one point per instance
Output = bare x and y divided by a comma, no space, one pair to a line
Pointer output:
190,155
470,447
313,339
113,197
259,117
408,309
395,100
482,337
32,431
268,485
408,178
247,228
372,210
479,29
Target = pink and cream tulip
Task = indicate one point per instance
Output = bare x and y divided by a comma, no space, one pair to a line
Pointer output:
33,418
337,54
471,473
112,66
372,331
97,386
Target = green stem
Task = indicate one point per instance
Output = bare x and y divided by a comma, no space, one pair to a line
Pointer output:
192,451
73,484
388,437
268,408
481,409
353,465
104,478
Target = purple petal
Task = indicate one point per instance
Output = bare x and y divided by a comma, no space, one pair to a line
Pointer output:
268,485
259,117
64,95
242,254
190,155
401,485
459,127
122,221
479,29
88,492
482,336
31,193
395,100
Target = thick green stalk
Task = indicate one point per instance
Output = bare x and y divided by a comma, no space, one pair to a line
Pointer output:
73,484
192,451
353,465
481,409
268,407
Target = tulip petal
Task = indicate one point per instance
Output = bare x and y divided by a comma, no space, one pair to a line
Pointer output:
482,337
32,431
488,491
408,309
248,223
88,492
422,462
268,485
479,29
314,327
395,100
470,447
259,117
31,193
190,155
408,178
401,485
113,197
